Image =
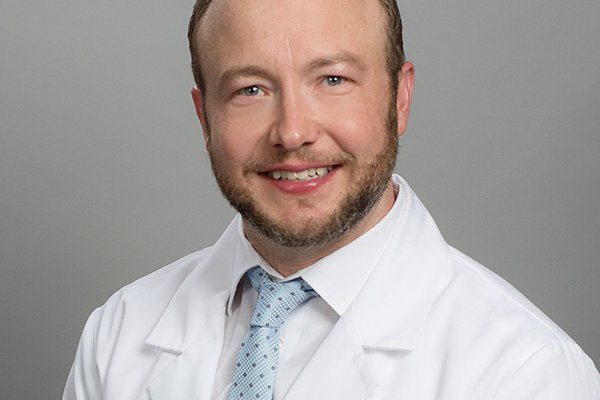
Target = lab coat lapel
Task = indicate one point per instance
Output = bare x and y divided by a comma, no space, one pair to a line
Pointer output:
393,306
189,334
348,377
188,339
190,375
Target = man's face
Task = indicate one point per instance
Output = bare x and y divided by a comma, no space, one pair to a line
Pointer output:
298,114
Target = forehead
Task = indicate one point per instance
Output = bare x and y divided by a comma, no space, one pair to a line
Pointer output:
246,30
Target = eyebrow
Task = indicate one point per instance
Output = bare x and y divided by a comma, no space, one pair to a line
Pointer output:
338,58
233,73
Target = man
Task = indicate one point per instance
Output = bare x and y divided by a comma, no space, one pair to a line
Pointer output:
301,104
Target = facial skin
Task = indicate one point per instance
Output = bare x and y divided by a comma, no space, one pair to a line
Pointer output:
301,86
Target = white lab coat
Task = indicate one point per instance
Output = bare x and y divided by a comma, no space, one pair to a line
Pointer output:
429,324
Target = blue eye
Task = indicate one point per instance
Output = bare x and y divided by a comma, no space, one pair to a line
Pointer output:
251,91
334,80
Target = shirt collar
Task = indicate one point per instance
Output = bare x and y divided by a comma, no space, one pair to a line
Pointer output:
245,259
338,277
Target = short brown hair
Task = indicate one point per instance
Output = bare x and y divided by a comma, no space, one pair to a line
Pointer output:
395,48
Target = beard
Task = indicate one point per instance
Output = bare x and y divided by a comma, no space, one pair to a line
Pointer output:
366,190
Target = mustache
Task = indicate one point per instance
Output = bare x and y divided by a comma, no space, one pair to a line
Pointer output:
302,155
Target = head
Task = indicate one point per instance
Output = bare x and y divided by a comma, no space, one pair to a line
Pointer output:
301,104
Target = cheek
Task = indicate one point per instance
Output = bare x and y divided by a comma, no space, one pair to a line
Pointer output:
236,136
358,126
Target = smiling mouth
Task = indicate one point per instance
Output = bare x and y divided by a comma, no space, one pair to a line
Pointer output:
300,176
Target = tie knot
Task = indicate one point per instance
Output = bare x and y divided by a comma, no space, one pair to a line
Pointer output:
276,300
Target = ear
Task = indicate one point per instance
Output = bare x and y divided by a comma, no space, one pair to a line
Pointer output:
199,106
406,83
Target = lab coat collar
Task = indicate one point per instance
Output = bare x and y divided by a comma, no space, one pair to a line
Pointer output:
392,308
403,275
203,295
388,314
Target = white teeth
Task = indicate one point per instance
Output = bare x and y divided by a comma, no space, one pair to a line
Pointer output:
322,171
300,176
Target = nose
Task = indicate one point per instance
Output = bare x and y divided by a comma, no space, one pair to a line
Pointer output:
295,126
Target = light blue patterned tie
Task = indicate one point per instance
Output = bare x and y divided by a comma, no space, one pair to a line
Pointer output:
256,365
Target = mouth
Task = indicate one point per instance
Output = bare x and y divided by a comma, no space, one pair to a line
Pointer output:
300,176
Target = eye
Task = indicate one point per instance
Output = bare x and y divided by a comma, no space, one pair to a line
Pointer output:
251,91
333,80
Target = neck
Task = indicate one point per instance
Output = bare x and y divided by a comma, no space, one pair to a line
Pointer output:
289,260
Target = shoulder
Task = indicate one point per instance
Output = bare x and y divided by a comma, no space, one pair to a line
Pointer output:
160,285
130,315
495,327
113,337
486,297
136,307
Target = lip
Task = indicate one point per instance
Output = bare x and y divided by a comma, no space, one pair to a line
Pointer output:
299,188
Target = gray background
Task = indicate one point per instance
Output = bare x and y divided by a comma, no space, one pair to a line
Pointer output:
104,177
